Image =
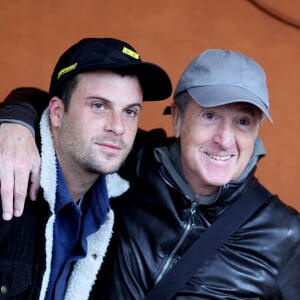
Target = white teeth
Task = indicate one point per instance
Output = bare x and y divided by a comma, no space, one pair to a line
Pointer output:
217,157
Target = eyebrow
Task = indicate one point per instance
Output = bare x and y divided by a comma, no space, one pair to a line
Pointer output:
250,109
109,101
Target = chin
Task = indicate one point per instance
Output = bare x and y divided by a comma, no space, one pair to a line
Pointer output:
219,182
112,168
104,168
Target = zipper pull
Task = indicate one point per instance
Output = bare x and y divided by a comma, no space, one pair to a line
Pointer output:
193,211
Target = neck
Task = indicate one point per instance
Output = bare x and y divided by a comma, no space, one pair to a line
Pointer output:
78,181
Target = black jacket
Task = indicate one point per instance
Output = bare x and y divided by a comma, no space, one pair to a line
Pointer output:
155,223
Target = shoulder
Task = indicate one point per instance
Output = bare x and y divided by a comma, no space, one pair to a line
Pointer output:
285,218
141,156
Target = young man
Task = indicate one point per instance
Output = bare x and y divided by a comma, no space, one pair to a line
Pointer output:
55,249
183,187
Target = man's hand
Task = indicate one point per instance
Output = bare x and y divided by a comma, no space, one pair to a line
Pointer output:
19,163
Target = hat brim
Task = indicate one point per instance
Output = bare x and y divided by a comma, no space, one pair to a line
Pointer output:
216,95
155,82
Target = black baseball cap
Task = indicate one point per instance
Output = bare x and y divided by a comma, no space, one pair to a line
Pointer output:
110,54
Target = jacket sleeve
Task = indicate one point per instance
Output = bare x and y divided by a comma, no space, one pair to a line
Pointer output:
24,110
288,281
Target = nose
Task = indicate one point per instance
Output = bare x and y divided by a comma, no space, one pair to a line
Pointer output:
224,135
115,123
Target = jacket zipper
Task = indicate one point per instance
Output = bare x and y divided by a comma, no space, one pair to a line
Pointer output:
187,229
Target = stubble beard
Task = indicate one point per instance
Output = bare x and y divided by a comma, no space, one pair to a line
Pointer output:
85,155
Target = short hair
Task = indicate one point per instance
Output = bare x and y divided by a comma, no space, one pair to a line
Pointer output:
66,90
181,101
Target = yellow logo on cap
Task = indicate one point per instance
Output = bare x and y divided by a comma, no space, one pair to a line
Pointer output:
130,53
66,70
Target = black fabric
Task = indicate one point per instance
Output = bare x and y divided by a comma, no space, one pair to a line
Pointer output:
110,54
233,217
22,256
24,104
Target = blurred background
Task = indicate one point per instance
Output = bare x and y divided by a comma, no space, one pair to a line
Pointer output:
171,33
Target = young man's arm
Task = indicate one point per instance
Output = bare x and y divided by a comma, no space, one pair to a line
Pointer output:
19,157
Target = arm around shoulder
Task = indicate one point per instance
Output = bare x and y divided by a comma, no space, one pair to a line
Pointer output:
19,156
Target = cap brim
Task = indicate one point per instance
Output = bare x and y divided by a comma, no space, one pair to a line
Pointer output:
210,96
155,82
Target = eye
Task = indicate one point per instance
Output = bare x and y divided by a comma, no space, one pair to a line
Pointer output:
244,122
209,115
130,112
98,105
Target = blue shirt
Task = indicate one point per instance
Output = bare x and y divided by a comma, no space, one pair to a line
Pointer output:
73,224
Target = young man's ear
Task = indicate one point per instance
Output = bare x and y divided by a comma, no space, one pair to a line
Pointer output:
176,119
56,107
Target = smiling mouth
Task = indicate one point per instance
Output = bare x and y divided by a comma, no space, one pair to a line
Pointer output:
220,158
